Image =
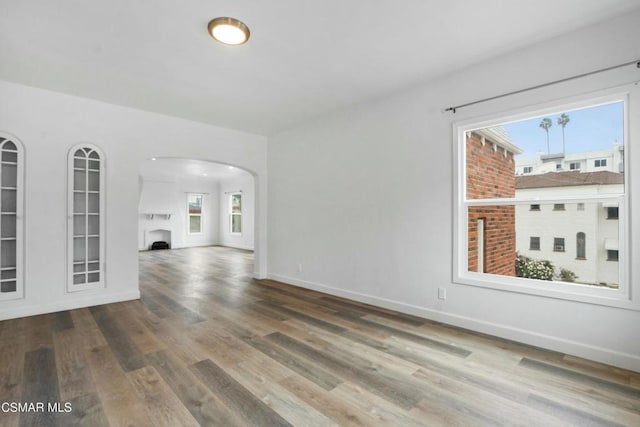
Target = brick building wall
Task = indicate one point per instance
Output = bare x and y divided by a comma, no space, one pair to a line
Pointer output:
491,174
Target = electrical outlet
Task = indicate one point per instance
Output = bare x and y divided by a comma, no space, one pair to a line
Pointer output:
442,293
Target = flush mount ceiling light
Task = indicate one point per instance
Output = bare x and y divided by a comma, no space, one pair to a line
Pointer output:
228,31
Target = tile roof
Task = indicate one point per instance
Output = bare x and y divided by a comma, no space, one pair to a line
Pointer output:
566,179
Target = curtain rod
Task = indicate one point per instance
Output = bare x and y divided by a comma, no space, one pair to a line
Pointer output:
233,192
515,92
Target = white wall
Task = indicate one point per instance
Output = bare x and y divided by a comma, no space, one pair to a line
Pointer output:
48,124
245,240
363,199
170,197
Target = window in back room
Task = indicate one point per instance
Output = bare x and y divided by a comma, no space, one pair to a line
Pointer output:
235,213
194,213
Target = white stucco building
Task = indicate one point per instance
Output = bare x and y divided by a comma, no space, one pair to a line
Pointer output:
580,237
591,161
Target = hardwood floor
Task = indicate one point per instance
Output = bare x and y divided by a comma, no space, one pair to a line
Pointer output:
208,345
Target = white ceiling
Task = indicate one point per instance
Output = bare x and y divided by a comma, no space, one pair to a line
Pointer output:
173,170
304,58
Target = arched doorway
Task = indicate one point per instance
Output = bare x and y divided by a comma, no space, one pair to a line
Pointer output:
196,203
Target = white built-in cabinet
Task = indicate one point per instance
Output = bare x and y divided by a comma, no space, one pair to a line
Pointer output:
86,264
11,218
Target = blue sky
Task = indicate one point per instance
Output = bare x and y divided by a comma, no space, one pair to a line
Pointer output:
590,129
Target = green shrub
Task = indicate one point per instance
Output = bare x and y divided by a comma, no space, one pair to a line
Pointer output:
533,268
567,275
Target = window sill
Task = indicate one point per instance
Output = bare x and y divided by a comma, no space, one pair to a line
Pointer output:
598,295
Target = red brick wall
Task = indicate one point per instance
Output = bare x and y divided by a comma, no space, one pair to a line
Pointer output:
491,175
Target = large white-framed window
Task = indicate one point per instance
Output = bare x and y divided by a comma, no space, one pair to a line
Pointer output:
86,219
194,212
487,151
11,218
235,213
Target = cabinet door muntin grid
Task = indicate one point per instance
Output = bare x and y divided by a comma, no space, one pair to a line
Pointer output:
11,220
86,234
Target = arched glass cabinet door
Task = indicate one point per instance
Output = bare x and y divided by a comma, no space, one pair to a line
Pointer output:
11,218
86,218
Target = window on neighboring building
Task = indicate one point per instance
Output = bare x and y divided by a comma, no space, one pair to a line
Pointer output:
235,213
528,169
86,218
558,244
534,243
612,255
612,212
600,163
194,212
516,224
581,245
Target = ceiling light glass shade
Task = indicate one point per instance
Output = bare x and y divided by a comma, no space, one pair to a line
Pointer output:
229,31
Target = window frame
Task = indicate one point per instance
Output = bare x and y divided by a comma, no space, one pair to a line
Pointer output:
581,245
232,214
620,297
559,244
533,247
201,214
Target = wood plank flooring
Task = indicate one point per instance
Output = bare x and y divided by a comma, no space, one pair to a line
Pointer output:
208,345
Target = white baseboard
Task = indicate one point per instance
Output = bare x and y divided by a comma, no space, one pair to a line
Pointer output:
586,351
70,302
246,248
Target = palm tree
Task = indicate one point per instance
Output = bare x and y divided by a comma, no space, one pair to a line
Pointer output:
545,124
562,121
